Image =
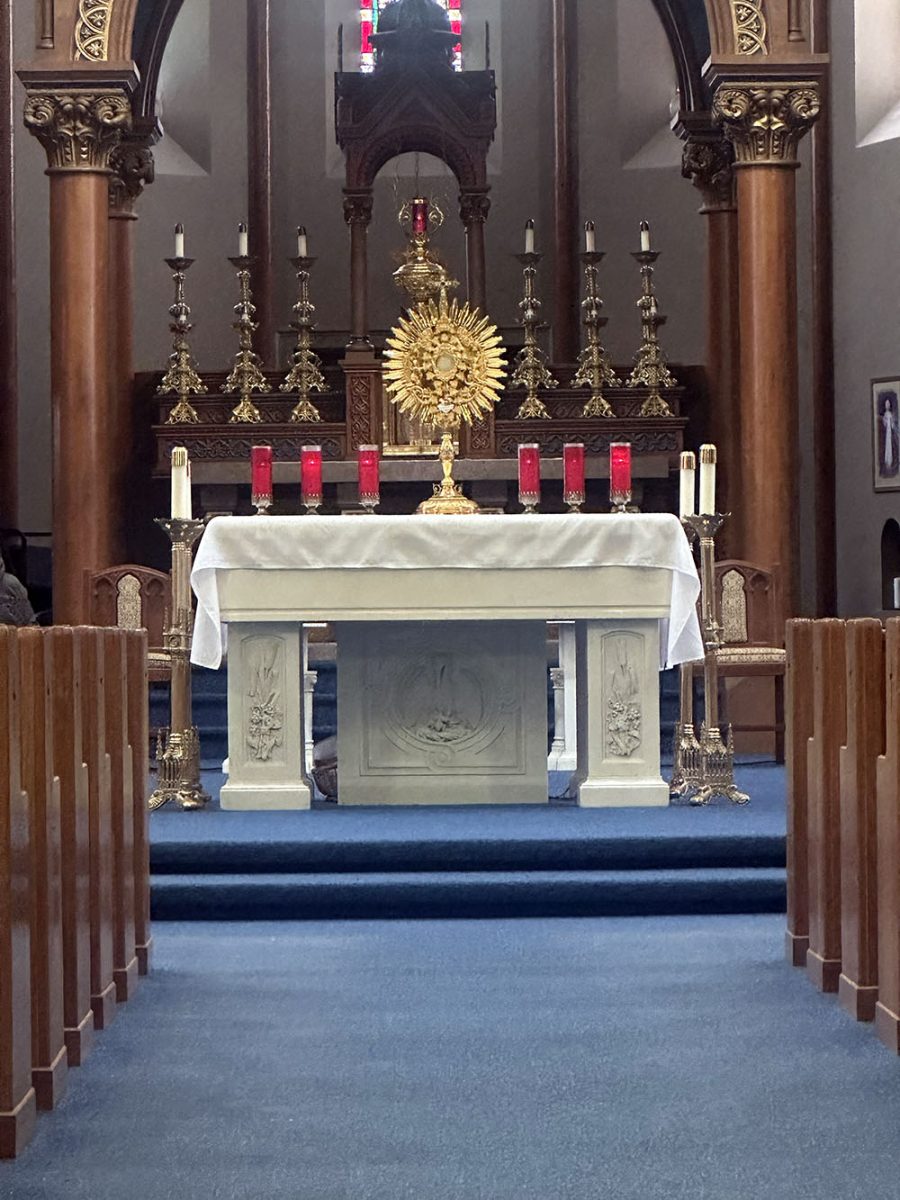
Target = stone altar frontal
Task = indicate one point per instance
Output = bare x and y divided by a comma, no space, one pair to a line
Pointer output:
622,579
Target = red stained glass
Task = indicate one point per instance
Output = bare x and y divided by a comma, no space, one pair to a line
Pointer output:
368,24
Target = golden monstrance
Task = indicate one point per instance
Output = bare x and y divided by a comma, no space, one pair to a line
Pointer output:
445,364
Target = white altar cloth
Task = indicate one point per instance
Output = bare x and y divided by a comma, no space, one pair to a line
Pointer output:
487,543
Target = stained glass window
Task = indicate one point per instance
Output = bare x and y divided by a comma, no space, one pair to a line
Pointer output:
368,24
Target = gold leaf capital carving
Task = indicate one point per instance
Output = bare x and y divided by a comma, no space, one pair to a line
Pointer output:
748,18
709,164
765,121
92,29
131,164
78,129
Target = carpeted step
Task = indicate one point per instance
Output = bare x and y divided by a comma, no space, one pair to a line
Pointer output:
469,894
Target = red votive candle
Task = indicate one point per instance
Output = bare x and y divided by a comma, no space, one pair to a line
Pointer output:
368,458
420,215
311,475
573,474
529,475
261,475
620,472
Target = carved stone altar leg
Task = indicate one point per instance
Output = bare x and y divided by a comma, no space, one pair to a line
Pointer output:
618,714
265,718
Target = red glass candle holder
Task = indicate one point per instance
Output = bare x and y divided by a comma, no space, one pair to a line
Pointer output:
620,476
530,476
368,458
261,478
573,475
420,215
311,477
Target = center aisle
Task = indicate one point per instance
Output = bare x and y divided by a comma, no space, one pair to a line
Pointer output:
641,1059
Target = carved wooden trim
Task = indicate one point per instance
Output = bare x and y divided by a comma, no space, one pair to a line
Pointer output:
45,16
79,130
751,34
92,27
765,121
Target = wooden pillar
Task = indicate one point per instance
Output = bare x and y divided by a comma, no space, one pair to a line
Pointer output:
259,172
566,197
358,215
49,1062
9,373
887,772
139,739
125,965
799,688
474,206
69,766
764,121
708,162
823,958
132,167
858,985
93,716
79,130
18,1107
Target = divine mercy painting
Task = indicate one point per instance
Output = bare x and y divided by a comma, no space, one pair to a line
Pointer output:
886,433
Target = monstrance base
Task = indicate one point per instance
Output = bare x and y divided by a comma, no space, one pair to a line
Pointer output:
448,502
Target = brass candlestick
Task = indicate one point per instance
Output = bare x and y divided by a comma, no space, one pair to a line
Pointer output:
595,368
246,375
650,367
530,370
715,774
178,752
305,375
181,378
686,766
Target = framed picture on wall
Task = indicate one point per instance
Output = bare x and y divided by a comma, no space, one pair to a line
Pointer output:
886,434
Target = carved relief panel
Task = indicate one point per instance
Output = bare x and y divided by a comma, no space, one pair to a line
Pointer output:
623,668
263,674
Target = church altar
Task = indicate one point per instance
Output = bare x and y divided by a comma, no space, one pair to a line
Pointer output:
462,601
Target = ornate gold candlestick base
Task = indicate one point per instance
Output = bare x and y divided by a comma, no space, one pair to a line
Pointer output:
178,749
530,370
305,375
181,378
650,367
448,499
246,374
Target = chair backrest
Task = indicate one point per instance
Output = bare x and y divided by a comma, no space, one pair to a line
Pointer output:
129,597
749,601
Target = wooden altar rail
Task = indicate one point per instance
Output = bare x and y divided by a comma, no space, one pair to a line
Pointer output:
74,860
843,850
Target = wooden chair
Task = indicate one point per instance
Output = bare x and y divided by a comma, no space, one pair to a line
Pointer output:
749,599
133,597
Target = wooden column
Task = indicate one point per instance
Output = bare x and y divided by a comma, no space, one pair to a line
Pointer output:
125,965
765,121
259,172
474,206
79,129
358,215
139,740
9,374
132,166
887,1010
566,198
858,985
69,766
823,958
799,689
18,1106
93,716
49,1062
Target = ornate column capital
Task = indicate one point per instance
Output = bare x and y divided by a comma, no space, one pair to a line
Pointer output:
764,120
78,127
358,208
131,164
709,164
474,207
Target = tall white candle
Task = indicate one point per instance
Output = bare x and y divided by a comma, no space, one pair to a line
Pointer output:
181,485
179,240
302,245
687,484
645,236
529,236
897,591
590,239
707,478
243,243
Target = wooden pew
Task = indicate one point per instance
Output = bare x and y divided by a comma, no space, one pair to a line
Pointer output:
138,737
125,965
887,1010
858,986
49,1061
18,1107
93,715
799,688
823,958
72,771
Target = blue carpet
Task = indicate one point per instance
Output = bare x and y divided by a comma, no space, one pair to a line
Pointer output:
660,1059
473,861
